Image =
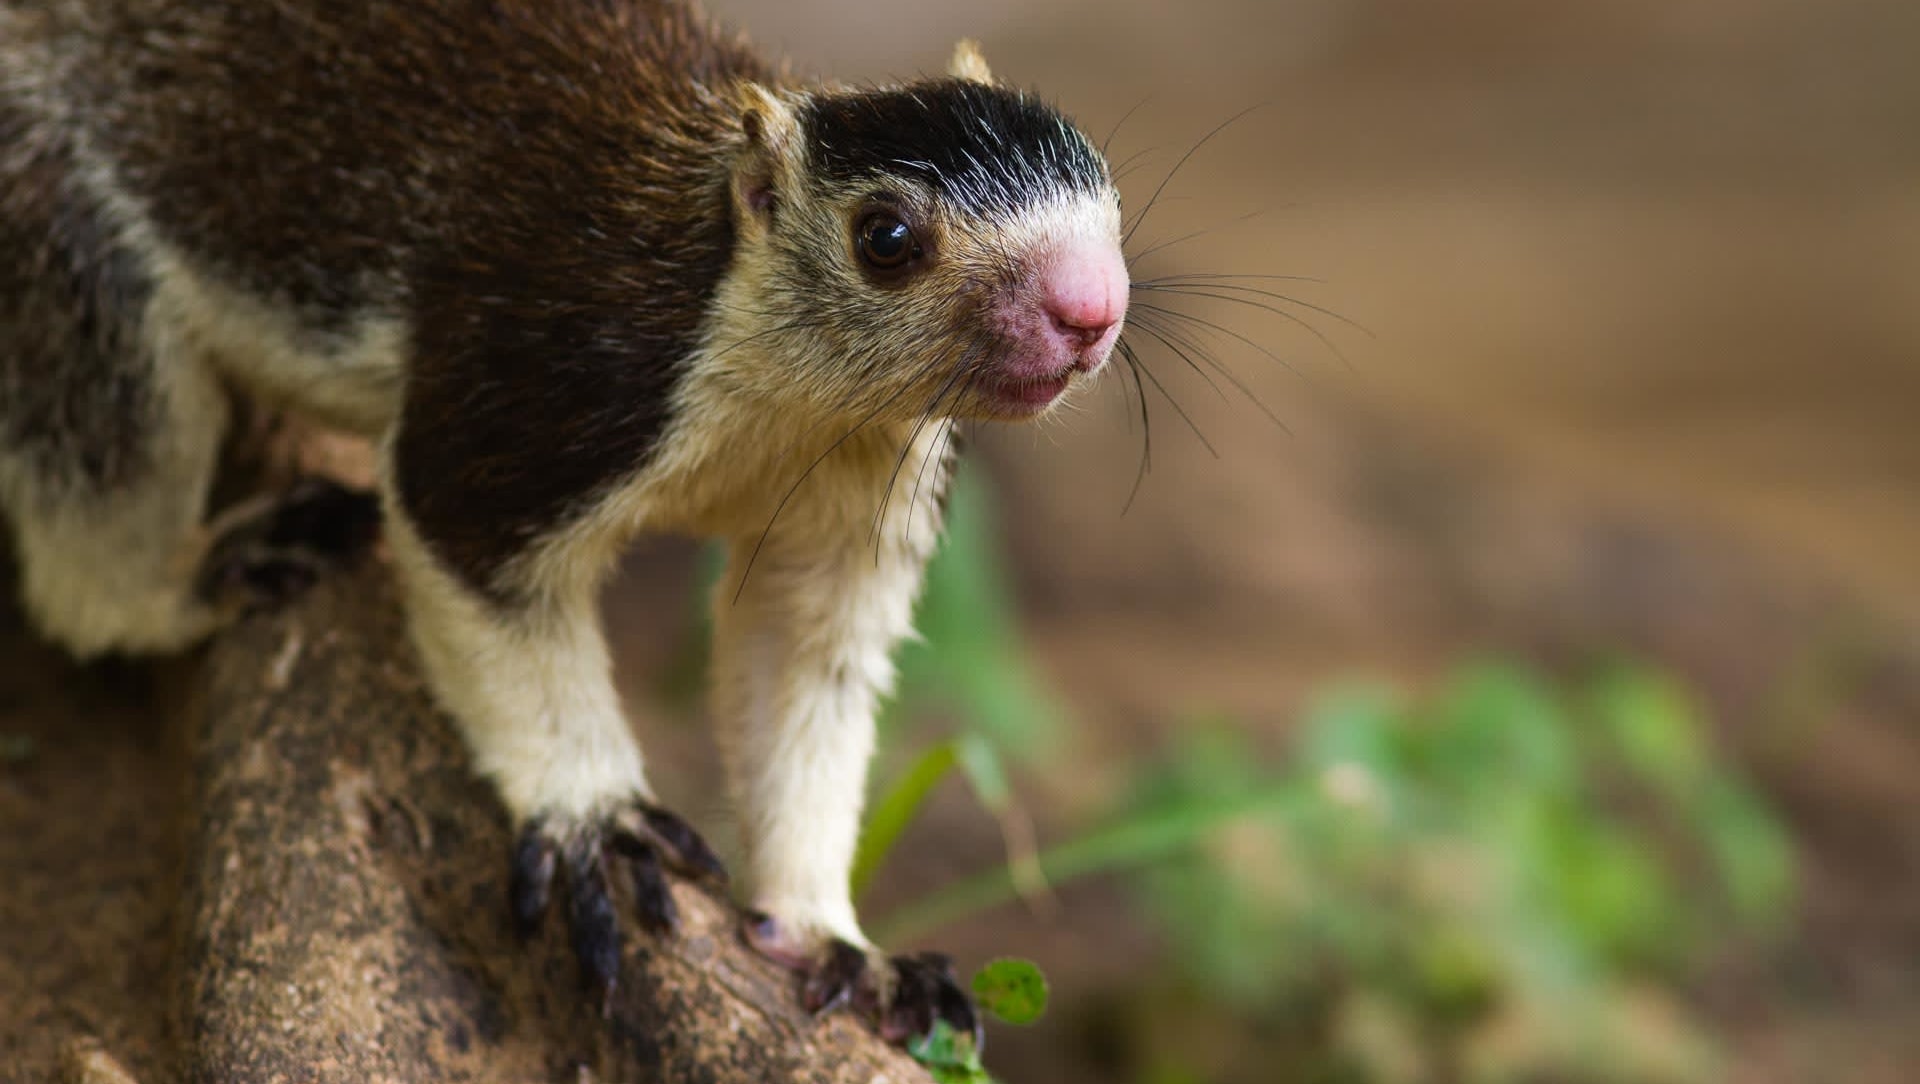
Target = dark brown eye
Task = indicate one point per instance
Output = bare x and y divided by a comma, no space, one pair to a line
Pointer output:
886,243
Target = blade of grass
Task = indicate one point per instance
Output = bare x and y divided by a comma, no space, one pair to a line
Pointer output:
897,808
1134,841
981,764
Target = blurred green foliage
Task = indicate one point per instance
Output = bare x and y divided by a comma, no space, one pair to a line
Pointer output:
1503,883
969,662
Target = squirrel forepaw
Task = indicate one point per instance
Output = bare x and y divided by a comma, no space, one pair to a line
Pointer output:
903,996
582,851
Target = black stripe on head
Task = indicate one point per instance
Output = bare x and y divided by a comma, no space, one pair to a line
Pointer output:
986,149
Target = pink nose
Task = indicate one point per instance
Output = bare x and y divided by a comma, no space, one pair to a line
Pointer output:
1084,291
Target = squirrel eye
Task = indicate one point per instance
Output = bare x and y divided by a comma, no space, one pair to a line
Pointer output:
886,243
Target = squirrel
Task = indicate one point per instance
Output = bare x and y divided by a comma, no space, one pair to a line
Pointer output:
583,269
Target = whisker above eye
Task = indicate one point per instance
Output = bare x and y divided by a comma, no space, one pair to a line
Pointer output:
1132,162
1127,236
1161,246
1124,117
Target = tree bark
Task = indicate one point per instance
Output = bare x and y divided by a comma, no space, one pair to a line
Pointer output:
344,912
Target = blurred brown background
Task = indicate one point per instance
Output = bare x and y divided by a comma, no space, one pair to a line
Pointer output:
1645,284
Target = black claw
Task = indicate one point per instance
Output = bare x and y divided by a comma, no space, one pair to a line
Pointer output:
652,898
833,983
689,851
532,886
595,927
909,1012
940,963
956,1008
927,989
584,859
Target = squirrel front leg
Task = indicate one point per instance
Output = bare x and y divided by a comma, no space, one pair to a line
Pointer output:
802,657
803,643
507,627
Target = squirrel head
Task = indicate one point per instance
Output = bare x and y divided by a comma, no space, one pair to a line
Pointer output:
949,246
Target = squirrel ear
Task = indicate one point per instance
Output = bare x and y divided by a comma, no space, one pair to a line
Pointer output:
766,119
968,64
768,124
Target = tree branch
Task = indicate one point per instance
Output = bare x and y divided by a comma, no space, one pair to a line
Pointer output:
345,916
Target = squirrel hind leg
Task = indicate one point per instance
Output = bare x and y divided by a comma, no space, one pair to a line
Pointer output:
109,433
108,560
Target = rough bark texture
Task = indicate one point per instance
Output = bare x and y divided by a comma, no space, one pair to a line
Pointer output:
339,913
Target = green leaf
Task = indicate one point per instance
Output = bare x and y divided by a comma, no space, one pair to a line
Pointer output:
1499,718
949,1055
1655,730
1353,723
1750,851
1012,989
897,808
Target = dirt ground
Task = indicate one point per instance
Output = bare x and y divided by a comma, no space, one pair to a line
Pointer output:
1644,374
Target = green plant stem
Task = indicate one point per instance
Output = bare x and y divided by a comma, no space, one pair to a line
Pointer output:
1134,841
896,809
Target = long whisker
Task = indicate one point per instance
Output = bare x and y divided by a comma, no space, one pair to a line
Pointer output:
775,330
1161,246
766,531
1231,277
1219,329
1164,181
1147,326
1178,409
1124,117
939,455
1331,346
1148,323
847,402
1177,283
756,312
1131,163
963,366
1146,426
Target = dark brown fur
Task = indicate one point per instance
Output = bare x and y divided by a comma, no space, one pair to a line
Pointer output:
76,384
532,186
